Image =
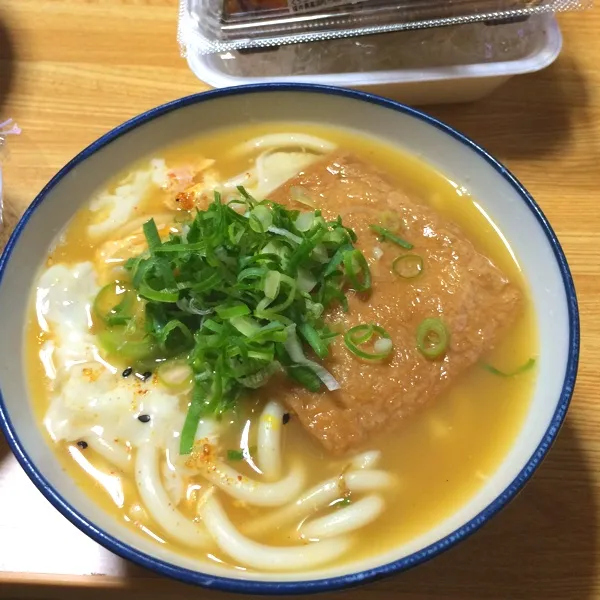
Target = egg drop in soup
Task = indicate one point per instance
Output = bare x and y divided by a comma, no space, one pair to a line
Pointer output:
281,348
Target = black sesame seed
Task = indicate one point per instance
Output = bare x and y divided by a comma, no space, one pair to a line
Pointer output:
144,418
127,372
83,445
146,375
286,418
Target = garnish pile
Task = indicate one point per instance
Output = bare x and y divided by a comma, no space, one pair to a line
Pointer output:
234,297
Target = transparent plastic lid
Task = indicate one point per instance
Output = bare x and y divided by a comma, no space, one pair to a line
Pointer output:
407,54
217,26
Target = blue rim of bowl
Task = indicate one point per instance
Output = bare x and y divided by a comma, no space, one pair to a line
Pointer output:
351,579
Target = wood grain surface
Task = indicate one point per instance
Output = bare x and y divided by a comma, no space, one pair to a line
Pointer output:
70,70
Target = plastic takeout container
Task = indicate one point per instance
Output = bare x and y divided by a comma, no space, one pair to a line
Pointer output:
430,66
218,26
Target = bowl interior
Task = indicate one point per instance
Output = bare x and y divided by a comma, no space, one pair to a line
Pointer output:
498,195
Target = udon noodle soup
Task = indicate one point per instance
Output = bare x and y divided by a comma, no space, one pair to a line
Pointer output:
281,347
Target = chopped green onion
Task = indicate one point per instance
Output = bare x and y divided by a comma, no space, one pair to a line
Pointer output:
320,253
408,266
337,236
337,260
286,234
208,283
305,221
291,284
213,325
303,252
176,375
309,333
332,292
258,379
272,332
235,232
165,295
390,220
114,304
179,248
251,273
518,371
356,264
226,293
314,309
240,453
235,455
231,311
306,281
175,336
260,218
432,338
272,283
246,325
362,334
119,343
294,349
386,234
305,377
190,425
152,237
199,405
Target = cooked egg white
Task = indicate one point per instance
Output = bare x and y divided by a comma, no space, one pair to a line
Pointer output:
88,393
64,298
112,210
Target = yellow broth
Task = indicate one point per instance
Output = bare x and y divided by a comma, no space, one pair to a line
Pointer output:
441,456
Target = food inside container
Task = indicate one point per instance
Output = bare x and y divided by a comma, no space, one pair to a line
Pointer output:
476,43
214,26
441,64
249,12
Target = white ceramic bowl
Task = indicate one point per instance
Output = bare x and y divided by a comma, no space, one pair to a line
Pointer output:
500,195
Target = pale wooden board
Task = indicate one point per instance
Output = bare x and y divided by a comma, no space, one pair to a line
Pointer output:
72,69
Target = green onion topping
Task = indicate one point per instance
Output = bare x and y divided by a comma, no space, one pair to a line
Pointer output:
386,234
115,304
240,453
363,334
235,455
176,375
408,266
236,296
357,270
518,371
432,338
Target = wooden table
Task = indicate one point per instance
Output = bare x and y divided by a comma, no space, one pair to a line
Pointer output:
70,70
